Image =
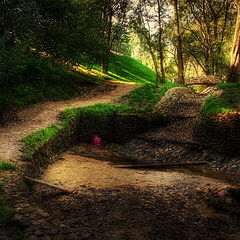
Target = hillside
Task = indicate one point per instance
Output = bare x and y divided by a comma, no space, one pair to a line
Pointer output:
40,80
122,69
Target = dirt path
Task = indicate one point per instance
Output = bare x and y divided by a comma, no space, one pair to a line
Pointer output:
43,114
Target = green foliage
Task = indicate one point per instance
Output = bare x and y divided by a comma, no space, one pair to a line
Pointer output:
66,29
227,101
33,141
27,78
6,166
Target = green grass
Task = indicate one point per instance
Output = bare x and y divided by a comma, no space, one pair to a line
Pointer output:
7,166
99,110
228,101
140,101
27,78
61,85
127,69
122,69
143,99
42,80
36,139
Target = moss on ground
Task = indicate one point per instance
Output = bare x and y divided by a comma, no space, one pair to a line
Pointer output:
219,124
227,101
6,213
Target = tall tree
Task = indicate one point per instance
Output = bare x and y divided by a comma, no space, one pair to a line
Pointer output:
179,44
113,26
235,55
148,21
160,38
206,30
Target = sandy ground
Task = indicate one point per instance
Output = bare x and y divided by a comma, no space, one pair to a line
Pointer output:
126,204
43,114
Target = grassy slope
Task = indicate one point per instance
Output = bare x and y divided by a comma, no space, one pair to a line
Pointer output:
127,69
228,101
62,84
123,69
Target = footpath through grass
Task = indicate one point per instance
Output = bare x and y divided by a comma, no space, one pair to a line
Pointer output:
140,101
36,79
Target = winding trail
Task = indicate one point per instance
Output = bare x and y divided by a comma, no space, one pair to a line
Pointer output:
44,114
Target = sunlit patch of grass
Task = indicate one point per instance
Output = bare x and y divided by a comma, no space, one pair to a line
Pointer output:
122,69
33,141
143,99
227,101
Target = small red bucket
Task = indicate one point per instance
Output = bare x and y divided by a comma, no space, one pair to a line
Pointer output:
97,141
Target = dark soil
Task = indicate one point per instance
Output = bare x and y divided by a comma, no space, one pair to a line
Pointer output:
174,211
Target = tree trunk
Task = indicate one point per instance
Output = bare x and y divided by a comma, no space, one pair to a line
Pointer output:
160,44
154,59
179,45
235,56
107,31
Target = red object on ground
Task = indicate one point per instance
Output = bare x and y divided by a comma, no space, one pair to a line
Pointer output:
97,141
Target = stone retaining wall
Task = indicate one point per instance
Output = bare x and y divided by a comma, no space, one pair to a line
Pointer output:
220,132
113,128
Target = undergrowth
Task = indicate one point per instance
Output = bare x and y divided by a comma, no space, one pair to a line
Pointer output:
27,78
227,101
